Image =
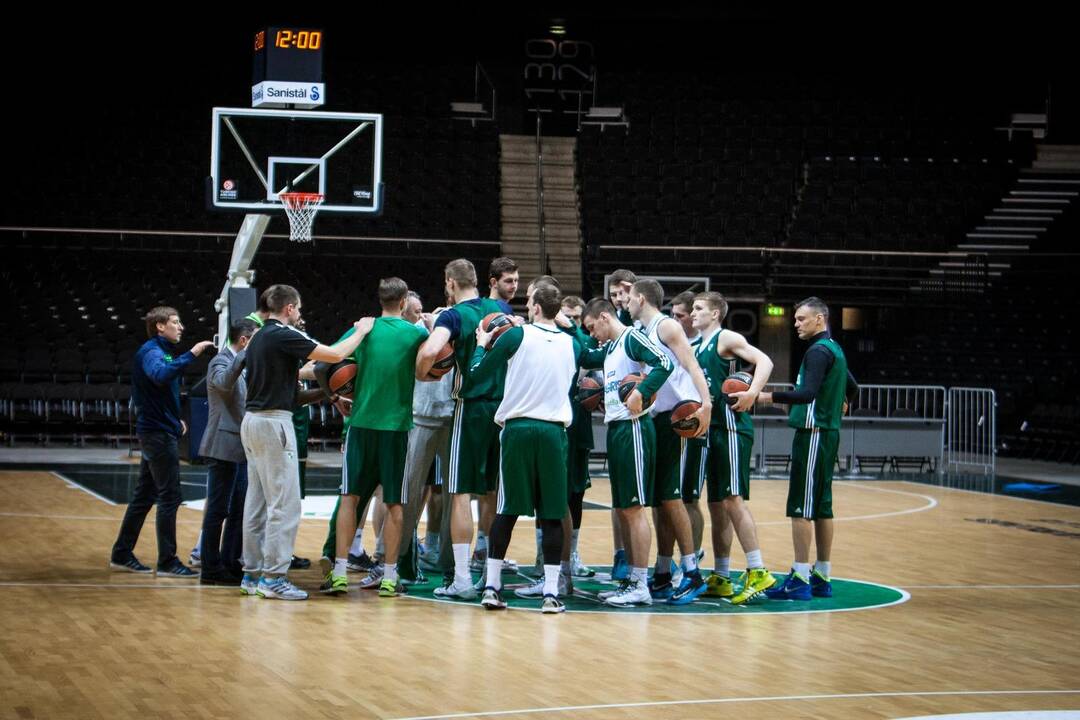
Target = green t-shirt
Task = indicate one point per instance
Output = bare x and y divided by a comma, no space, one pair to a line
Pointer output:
385,375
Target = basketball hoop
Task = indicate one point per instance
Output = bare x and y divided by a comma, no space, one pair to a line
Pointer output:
300,207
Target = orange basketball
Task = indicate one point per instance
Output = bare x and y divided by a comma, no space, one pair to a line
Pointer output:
495,323
681,421
444,362
590,393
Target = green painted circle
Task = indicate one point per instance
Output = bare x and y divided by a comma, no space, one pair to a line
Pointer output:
848,595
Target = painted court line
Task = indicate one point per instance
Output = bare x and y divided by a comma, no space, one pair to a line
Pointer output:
719,701
71,483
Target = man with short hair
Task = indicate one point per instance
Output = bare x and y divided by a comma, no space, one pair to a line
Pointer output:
502,279
631,437
686,383
272,505
227,472
155,392
725,458
474,438
619,284
682,305
376,441
539,363
817,405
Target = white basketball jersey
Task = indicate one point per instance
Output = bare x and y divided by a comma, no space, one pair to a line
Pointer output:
679,385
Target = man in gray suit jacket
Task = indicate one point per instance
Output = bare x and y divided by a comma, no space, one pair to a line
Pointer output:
226,481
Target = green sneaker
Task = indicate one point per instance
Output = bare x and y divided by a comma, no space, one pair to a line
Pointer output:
390,588
719,586
755,582
334,585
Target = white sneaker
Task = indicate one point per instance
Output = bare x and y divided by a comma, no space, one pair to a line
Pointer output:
509,565
623,584
195,558
492,599
634,594
249,585
373,579
552,604
280,589
577,569
464,591
566,588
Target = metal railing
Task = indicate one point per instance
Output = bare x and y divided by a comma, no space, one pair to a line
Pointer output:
972,429
898,402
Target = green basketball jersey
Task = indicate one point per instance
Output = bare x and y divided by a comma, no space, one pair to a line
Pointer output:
717,370
828,407
491,388
385,375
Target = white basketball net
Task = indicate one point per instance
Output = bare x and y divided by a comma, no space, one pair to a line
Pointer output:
301,209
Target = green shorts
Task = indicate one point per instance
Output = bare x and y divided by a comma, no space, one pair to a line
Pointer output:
577,468
631,447
373,458
813,455
670,460
474,448
697,453
533,467
728,464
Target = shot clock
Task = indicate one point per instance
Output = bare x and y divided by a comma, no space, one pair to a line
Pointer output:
287,68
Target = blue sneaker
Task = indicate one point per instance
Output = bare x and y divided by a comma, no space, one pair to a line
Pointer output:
794,587
692,586
620,567
660,587
820,586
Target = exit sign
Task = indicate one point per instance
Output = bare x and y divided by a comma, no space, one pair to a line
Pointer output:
774,310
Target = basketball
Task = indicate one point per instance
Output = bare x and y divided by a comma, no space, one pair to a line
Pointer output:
341,378
444,362
737,382
628,384
681,422
495,323
590,393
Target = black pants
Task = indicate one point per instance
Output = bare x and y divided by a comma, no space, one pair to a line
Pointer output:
159,482
226,485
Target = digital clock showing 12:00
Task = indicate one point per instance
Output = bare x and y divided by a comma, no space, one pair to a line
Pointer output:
298,39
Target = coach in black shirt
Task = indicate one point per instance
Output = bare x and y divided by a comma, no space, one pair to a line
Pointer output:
272,505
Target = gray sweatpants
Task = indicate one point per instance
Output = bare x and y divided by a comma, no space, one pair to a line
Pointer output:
272,504
425,442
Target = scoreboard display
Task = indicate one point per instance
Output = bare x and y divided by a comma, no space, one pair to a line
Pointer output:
287,68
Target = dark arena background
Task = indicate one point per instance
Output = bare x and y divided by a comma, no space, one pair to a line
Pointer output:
917,169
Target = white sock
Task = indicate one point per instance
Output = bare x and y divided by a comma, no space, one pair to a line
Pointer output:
390,571
573,540
339,567
663,564
689,563
461,564
823,567
639,574
494,573
481,543
723,567
803,570
753,560
357,543
551,580
564,567
431,541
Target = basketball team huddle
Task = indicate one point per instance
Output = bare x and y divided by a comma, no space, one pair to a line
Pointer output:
473,402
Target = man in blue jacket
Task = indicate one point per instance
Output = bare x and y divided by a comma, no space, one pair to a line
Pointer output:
155,390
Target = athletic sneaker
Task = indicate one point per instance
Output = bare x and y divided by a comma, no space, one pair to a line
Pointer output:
299,563
131,565
660,587
820,586
755,582
279,588
176,569
620,567
793,587
635,593
492,599
566,588
510,566
464,591
718,586
478,563
693,585
623,584
360,563
249,585
195,558
373,579
551,605
391,588
418,579
334,585
577,569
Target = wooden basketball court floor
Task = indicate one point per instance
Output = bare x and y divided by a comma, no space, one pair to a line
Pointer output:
992,624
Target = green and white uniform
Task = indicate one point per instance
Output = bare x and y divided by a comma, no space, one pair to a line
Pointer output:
539,363
631,439
671,449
